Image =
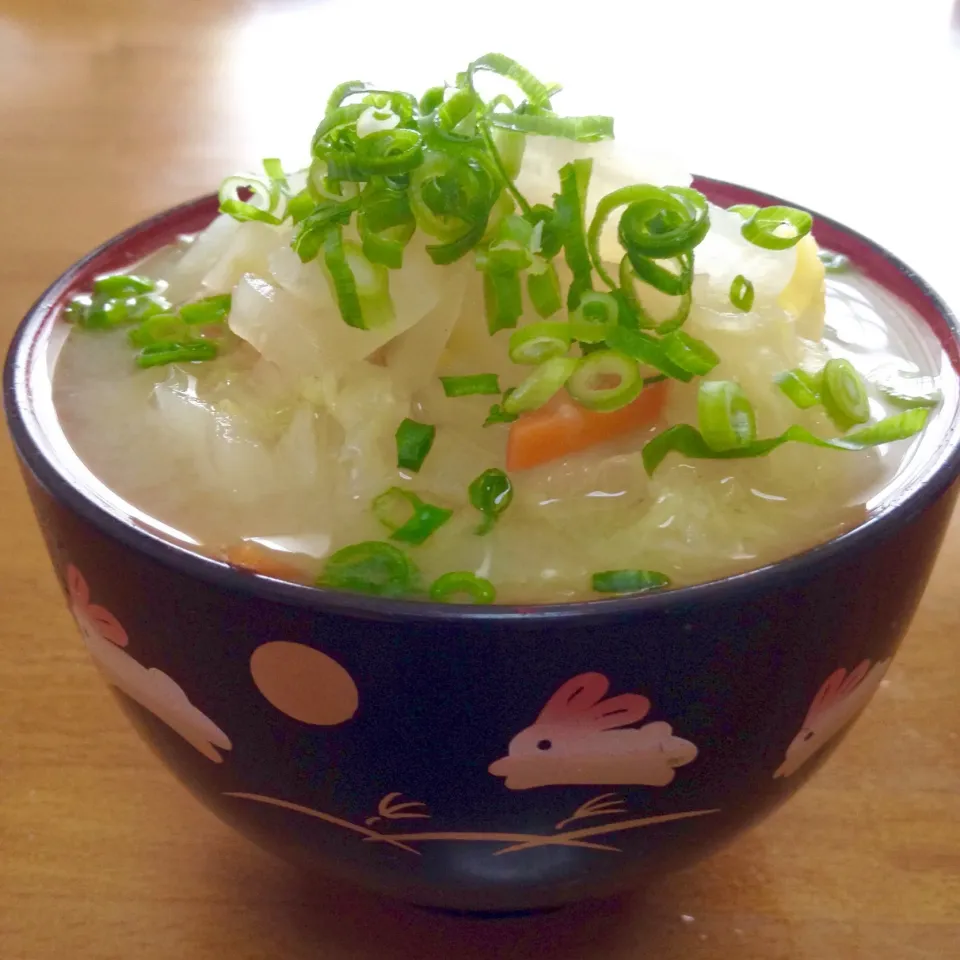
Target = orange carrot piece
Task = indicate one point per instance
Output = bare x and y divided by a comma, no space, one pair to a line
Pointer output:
562,427
256,558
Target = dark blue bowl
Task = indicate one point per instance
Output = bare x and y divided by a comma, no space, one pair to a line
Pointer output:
482,759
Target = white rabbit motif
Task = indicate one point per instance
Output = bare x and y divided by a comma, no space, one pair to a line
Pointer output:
104,637
837,703
577,739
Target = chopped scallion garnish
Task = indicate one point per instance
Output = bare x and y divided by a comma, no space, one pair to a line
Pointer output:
156,354
688,353
727,419
414,441
497,414
688,441
605,380
451,587
491,494
208,310
844,394
537,342
544,291
629,581
540,385
741,293
122,285
777,228
371,567
408,518
801,387
478,383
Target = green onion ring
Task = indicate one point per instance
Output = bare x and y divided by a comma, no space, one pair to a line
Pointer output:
603,365
761,229
537,342
727,419
447,588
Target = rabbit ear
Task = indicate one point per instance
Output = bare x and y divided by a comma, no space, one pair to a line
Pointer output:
827,693
108,626
619,711
855,678
77,586
575,698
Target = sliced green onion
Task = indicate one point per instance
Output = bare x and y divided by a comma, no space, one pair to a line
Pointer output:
312,235
408,518
300,206
163,328
414,441
122,285
647,350
491,494
371,567
741,293
596,307
640,314
157,354
605,380
105,313
540,385
461,583
581,129
904,390
432,99
443,254
478,383
844,394
361,288
834,262
689,353
746,210
537,342
765,227
208,310
242,210
629,581
657,224
544,291
386,224
588,332
537,93
502,299
688,442
510,249
344,90
727,419
497,413
802,388
386,153
77,310
569,223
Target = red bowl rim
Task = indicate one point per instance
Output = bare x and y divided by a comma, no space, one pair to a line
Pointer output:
133,244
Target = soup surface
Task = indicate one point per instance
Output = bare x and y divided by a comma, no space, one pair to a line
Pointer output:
278,446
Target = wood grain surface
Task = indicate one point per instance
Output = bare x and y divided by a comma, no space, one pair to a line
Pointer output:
113,109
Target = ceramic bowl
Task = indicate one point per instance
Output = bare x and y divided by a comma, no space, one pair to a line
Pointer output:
484,759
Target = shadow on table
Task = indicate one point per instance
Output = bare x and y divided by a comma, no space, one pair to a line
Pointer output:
722,908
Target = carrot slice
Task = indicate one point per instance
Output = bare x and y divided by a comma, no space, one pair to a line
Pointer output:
256,558
561,427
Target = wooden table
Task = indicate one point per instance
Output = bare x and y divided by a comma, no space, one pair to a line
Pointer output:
112,109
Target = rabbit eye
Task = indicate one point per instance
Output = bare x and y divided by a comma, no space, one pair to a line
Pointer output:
544,745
